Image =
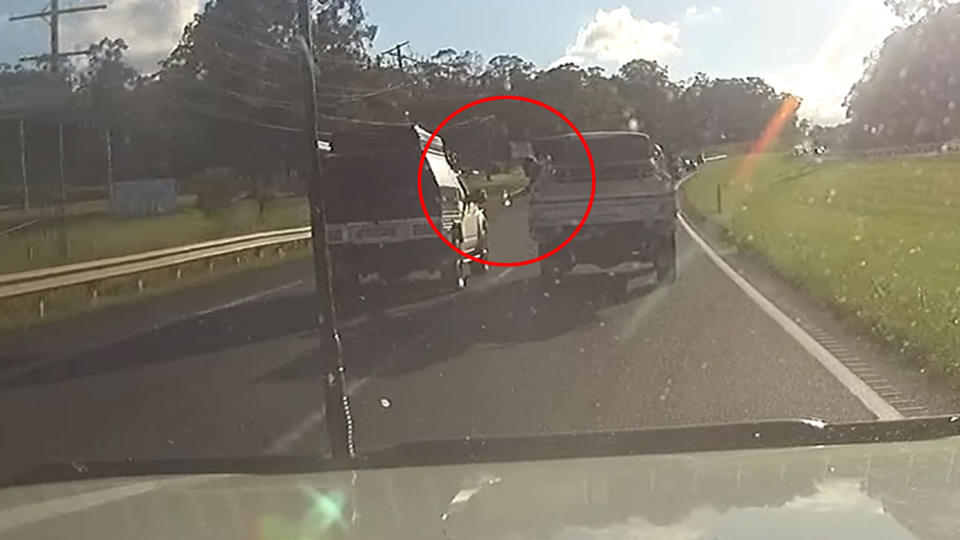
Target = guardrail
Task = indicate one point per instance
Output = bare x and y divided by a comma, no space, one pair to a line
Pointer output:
92,272
919,150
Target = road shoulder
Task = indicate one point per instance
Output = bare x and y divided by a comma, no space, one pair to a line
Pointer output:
901,381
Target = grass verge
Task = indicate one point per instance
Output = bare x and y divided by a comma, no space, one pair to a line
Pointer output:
509,181
24,311
876,239
97,237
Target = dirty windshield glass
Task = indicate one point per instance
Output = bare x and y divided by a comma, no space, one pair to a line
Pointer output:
241,229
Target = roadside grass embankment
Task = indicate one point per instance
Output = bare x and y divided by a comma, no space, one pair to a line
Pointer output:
509,181
101,236
879,240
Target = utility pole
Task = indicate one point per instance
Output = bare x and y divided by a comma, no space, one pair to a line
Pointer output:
23,165
109,163
337,403
52,16
396,51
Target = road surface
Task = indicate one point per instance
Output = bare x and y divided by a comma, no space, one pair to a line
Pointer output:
231,369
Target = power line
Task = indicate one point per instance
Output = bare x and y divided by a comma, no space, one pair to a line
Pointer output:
361,121
284,53
222,115
375,93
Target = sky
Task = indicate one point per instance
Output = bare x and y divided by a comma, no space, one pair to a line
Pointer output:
812,48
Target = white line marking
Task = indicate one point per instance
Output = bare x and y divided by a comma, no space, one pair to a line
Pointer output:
33,513
870,399
251,298
505,273
293,436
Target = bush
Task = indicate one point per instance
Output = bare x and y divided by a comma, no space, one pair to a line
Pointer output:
216,189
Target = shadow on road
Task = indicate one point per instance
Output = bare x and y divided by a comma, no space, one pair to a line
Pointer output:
204,334
513,313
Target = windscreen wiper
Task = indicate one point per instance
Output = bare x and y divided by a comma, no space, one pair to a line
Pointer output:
646,441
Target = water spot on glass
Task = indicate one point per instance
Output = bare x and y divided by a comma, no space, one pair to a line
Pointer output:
857,238
633,125
385,403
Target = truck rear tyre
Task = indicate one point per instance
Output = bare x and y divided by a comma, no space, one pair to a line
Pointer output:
453,276
665,263
479,269
550,269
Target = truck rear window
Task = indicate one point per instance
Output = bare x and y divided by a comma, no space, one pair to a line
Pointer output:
377,186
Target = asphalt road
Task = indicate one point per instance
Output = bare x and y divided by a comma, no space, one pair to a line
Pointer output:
232,369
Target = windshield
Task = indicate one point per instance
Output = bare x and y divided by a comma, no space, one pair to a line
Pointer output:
221,235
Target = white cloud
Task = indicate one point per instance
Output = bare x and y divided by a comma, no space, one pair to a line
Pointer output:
150,27
616,37
825,80
695,15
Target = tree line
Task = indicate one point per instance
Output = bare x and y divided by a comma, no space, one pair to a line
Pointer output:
229,98
910,89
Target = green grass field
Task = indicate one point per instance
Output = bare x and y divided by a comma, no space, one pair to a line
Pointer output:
878,239
507,181
102,236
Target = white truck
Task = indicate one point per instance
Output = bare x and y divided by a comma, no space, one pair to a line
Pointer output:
633,213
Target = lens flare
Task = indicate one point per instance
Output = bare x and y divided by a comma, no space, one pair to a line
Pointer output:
783,115
323,513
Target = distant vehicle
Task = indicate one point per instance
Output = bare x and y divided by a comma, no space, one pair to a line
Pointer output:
632,218
375,221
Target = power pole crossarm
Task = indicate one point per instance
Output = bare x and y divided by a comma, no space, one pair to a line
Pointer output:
54,12
59,11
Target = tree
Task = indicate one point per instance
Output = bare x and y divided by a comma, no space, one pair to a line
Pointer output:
912,11
909,94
